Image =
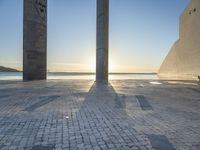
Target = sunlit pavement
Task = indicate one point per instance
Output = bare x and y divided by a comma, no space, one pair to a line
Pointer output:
79,114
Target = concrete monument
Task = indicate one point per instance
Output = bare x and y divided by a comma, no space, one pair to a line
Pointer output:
35,40
102,40
183,60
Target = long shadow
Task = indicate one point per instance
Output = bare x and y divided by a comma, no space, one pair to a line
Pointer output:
102,118
103,96
43,101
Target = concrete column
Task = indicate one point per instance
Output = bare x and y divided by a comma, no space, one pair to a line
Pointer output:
102,40
35,40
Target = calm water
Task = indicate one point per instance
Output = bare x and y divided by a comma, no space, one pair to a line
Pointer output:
67,75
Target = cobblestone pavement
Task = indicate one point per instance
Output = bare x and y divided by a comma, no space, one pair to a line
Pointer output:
79,114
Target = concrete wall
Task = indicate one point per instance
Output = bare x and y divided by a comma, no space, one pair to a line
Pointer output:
183,60
35,40
102,40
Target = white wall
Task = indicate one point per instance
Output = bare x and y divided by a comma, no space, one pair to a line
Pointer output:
183,60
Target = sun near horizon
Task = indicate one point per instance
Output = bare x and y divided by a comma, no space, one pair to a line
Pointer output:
139,39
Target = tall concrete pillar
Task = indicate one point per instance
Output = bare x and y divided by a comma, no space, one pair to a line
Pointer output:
102,40
35,40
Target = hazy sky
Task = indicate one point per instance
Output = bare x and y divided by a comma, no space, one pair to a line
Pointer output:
141,33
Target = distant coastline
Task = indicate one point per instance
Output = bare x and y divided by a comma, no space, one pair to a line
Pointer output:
6,69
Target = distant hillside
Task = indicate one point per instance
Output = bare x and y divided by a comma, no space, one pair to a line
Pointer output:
4,69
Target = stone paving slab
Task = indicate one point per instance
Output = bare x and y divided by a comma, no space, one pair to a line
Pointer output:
82,115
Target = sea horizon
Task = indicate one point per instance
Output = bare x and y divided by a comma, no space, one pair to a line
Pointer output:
81,75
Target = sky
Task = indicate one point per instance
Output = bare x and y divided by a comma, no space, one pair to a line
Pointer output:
141,33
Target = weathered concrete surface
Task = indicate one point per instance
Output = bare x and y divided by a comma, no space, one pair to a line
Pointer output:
77,114
183,60
35,40
102,40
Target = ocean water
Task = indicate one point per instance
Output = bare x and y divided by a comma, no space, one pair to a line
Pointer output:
71,75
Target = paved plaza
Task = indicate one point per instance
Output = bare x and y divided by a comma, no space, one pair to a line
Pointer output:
82,115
